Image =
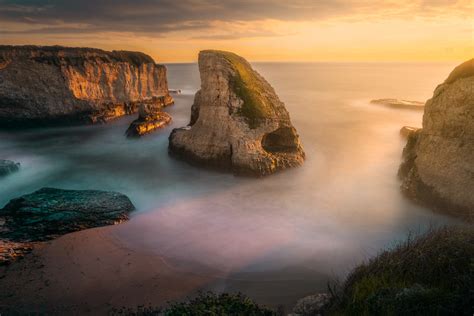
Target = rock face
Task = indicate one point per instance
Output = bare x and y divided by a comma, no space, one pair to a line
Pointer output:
59,85
400,104
150,118
237,122
8,166
438,160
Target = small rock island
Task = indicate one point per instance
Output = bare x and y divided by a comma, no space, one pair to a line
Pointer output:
238,123
150,118
48,85
438,166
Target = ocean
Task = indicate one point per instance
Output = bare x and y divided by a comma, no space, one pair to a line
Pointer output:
275,239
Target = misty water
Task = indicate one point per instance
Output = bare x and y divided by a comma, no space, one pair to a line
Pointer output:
276,238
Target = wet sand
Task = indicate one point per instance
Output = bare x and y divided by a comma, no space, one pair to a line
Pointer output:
89,273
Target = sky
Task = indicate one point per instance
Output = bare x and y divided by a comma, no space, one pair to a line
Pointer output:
279,30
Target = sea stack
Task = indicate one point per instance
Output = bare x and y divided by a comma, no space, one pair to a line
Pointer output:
238,123
150,118
438,166
44,85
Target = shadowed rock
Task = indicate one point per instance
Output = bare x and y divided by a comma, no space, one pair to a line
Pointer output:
405,131
8,166
238,123
150,118
49,213
438,160
44,85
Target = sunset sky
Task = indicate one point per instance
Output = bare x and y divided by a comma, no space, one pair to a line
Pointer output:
280,30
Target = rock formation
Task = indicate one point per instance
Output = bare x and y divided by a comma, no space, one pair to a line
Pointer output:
49,213
237,122
8,166
150,118
438,160
405,131
400,104
60,85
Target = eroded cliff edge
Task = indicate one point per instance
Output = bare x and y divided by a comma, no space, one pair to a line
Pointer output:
238,123
59,85
438,166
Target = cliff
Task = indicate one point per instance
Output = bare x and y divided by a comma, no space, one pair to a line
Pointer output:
238,123
438,166
48,85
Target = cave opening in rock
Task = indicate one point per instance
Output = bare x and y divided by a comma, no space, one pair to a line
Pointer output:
284,139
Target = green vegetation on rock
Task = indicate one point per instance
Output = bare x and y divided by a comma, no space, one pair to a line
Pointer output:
429,275
248,86
206,304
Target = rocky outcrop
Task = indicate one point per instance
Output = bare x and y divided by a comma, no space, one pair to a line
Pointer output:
49,213
405,131
438,160
8,166
150,118
238,123
60,85
400,104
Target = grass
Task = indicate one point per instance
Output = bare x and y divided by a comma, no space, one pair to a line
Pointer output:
205,304
248,87
432,274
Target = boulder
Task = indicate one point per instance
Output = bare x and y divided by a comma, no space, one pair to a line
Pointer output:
48,213
405,131
438,160
47,85
150,118
8,166
238,123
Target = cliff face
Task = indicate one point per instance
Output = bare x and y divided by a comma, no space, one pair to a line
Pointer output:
438,167
237,122
59,84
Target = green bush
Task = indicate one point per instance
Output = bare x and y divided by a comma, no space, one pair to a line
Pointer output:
432,274
211,304
205,304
